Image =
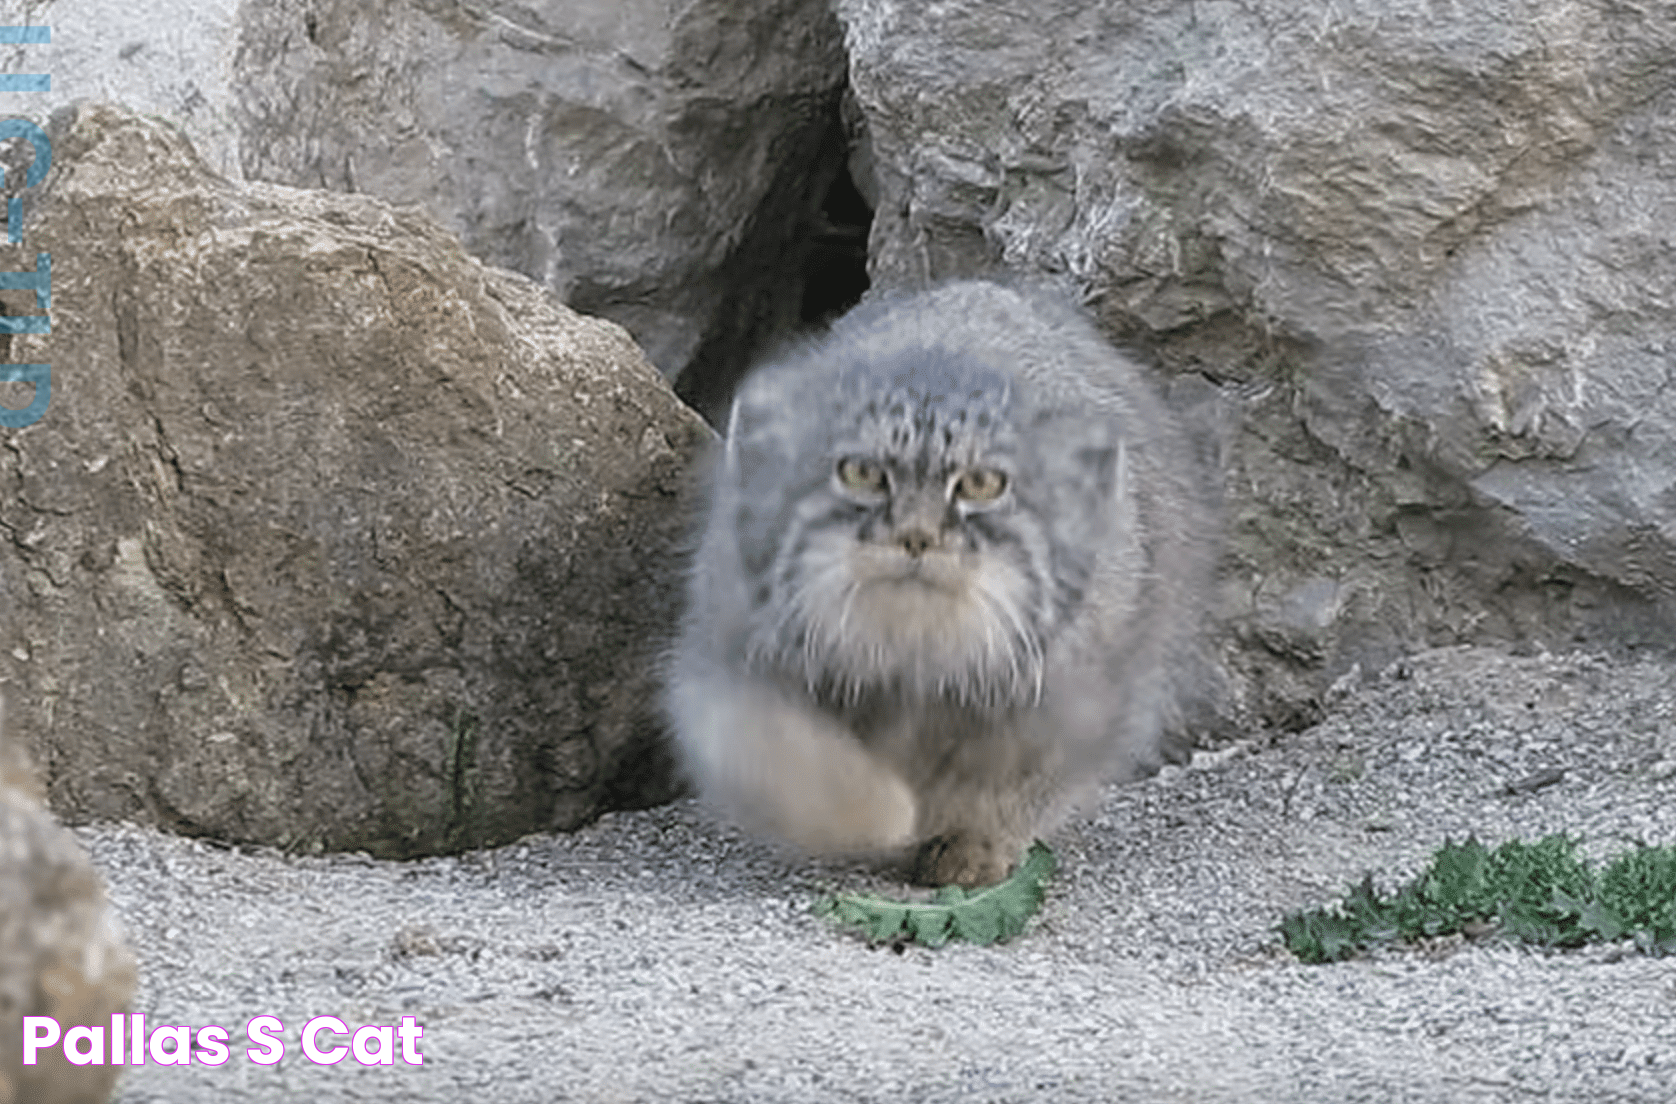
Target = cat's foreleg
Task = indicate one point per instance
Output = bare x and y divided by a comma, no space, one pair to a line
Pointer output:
778,765
973,834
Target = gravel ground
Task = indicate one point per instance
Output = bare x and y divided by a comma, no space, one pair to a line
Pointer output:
657,957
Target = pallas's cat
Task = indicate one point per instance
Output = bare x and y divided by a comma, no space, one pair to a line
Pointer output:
951,566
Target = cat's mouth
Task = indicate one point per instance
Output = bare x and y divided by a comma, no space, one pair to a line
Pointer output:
933,570
943,620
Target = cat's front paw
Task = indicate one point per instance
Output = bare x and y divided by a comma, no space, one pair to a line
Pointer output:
963,858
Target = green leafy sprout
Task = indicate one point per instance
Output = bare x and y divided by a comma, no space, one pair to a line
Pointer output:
991,914
1541,893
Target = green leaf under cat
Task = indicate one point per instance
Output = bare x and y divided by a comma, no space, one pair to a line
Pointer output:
983,916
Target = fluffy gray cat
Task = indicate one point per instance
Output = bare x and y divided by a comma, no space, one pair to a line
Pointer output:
952,563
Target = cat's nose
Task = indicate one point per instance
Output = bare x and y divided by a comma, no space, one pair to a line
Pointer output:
917,540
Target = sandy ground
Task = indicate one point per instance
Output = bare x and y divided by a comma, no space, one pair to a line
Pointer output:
658,957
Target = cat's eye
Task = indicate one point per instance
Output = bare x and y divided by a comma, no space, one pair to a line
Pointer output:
980,485
862,476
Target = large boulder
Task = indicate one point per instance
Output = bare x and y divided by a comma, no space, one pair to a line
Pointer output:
660,164
1421,253
330,535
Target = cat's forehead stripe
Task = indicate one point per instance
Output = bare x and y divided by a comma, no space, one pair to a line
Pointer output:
932,400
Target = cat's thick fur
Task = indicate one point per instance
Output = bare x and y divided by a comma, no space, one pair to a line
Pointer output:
952,565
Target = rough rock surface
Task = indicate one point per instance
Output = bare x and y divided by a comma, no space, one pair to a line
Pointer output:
61,954
640,158
330,535
1424,253
173,58
658,163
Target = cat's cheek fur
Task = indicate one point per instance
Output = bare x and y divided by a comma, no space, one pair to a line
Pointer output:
856,626
776,765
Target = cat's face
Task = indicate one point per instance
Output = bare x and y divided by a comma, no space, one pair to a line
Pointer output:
904,542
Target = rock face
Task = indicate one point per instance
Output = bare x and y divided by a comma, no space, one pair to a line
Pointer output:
625,154
661,164
1423,255
1408,266
331,535
60,953
173,58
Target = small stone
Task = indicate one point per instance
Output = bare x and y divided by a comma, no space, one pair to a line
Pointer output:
59,947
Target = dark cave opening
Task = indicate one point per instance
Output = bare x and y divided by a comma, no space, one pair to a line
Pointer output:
835,266
803,265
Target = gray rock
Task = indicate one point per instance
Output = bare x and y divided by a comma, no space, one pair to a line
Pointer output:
1423,252
61,952
330,535
173,58
658,164
636,157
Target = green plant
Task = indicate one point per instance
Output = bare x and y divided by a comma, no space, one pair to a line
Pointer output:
1639,892
1539,892
983,916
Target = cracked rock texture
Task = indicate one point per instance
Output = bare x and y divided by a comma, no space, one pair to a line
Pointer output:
1422,254
640,158
332,536
650,161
